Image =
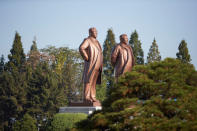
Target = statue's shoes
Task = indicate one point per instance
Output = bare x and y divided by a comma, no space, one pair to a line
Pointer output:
95,100
88,100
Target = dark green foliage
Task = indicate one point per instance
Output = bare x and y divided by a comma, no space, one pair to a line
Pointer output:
153,54
137,49
44,93
108,46
183,53
27,123
101,89
13,84
2,64
37,86
12,95
17,56
158,96
65,121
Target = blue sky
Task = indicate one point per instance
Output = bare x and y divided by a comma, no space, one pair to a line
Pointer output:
66,22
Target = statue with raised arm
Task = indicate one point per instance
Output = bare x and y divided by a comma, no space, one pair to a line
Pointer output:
122,57
91,51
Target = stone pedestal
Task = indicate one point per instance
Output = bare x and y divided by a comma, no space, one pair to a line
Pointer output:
94,104
79,109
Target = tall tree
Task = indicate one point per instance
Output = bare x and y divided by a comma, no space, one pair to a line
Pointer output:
34,56
2,64
153,54
183,53
109,44
17,83
137,49
34,45
44,92
17,56
13,83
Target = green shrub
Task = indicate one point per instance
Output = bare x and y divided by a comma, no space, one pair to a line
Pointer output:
65,121
26,124
157,96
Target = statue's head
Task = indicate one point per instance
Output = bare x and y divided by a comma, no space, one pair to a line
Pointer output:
124,38
93,32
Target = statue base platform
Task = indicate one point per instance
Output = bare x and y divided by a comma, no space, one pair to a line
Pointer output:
94,104
79,109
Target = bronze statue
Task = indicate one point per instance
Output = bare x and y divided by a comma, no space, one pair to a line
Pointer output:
122,57
91,51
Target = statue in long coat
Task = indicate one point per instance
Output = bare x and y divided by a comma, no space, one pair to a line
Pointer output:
91,51
122,57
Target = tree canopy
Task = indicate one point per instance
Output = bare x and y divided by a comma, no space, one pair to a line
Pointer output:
158,96
34,46
17,56
137,49
153,54
183,53
108,46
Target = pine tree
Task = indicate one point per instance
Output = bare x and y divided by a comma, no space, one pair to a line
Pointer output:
154,54
17,56
2,64
109,44
13,83
137,49
34,56
183,53
34,45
